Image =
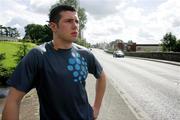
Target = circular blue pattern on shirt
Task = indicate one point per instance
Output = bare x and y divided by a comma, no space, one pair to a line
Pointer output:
75,80
73,54
72,61
75,74
81,73
85,72
70,67
80,78
84,76
77,67
83,69
77,54
78,61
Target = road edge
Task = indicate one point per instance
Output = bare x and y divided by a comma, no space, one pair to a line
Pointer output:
132,105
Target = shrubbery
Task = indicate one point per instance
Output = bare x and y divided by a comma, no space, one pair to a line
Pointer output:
4,72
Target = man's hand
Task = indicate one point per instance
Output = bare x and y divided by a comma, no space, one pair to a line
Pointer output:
95,113
100,89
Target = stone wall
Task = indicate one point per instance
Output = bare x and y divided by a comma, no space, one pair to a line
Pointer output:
5,38
171,56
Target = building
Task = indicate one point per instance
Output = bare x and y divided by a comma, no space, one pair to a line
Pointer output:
131,46
148,47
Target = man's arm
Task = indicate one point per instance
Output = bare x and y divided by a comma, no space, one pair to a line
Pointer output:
100,89
12,105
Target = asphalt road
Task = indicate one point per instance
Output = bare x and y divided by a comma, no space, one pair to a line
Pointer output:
151,88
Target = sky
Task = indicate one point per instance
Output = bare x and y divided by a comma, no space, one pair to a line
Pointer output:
142,21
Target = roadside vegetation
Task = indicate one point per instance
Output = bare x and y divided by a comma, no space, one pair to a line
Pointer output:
10,50
10,54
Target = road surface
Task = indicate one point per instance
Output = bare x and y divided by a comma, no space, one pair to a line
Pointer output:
152,88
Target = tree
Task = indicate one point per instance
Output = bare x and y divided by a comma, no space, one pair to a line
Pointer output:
73,3
22,51
48,35
169,42
83,42
9,32
82,20
34,32
177,48
38,33
4,72
15,32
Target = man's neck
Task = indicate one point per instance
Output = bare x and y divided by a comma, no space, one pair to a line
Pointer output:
59,44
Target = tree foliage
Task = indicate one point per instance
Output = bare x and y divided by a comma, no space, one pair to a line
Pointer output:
83,42
9,32
4,72
48,35
73,3
82,18
21,52
38,33
177,48
34,32
169,42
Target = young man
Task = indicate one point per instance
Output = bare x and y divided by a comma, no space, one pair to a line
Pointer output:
58,71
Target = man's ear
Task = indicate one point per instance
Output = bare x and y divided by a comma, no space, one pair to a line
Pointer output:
53,26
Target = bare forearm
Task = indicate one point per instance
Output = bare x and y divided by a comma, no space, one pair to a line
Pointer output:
12,105
100,90
11,111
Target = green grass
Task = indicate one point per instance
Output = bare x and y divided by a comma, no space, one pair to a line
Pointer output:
10,49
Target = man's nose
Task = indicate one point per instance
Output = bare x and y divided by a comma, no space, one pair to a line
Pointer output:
75,25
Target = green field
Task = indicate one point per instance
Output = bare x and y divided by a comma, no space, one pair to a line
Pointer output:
10,49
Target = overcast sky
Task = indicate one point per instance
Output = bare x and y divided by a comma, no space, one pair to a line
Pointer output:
142,21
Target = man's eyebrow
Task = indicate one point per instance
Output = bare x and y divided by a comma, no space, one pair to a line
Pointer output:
71,19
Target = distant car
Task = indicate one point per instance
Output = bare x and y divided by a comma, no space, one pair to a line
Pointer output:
118,53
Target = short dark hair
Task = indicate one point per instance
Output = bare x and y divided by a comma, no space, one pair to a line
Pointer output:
54,15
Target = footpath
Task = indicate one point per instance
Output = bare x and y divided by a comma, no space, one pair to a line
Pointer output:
113,106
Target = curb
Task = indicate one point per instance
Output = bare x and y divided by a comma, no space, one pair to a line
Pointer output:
157,60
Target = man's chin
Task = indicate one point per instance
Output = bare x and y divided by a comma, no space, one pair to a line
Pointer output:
74,40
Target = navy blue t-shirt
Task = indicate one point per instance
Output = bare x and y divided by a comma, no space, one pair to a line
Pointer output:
59,78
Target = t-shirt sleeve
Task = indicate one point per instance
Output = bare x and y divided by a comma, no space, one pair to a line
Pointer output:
94,66
25,72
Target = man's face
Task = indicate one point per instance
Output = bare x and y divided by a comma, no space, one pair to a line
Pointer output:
68,26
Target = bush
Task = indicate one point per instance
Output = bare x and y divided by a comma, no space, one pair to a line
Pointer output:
4,72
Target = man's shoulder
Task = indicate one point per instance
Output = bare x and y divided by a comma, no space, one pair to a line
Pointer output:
81,49
41,48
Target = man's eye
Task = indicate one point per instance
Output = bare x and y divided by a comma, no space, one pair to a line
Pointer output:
68,21
77,21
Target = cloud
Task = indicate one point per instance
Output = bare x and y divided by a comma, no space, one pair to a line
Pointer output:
19,23
101,8
140,24
40,6
176,23
19,13
142,21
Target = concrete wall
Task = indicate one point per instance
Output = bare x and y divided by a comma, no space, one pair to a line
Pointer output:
149,48
171,56
4,38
